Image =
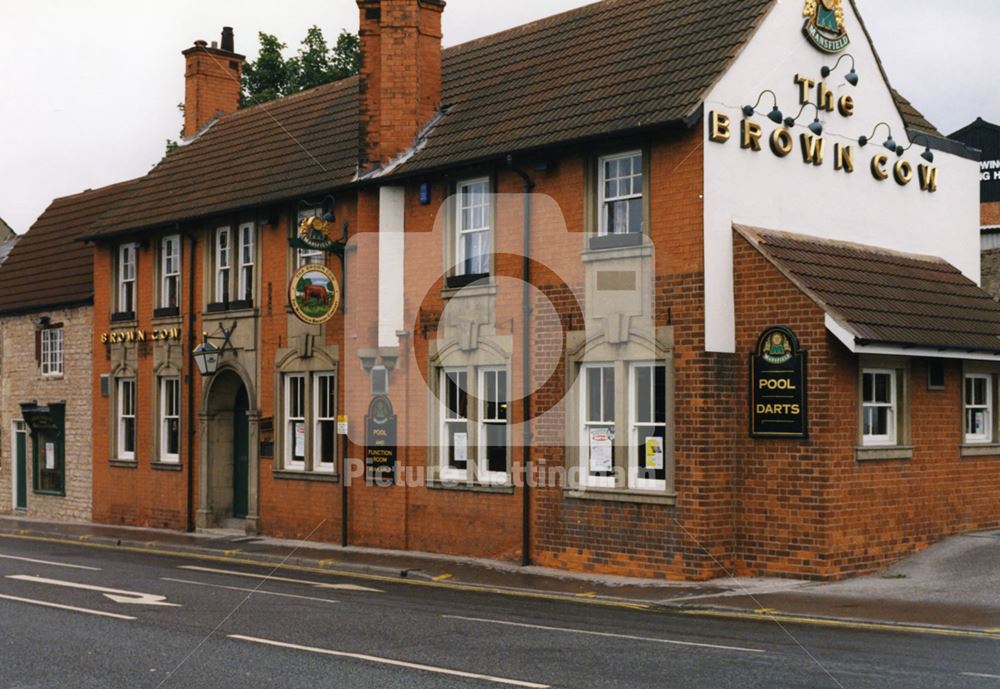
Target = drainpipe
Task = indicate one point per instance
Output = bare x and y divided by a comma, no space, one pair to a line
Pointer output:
189,366
529,186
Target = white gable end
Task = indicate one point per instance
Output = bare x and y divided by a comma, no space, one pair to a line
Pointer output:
762,189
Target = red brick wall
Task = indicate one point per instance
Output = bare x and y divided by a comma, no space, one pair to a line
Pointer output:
211,86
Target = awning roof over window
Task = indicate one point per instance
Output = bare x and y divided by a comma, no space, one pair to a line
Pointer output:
875,297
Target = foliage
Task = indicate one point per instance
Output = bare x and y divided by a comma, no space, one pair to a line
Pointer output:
273,76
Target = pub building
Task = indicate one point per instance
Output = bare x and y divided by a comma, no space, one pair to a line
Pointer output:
703,277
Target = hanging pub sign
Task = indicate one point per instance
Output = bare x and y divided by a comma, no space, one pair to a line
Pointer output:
779,387
314,233
380,439
825,25
314,294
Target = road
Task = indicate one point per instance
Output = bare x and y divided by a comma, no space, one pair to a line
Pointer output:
73,616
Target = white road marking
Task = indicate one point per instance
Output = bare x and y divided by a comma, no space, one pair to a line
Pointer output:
47,562
254,591
980,675
46,604
396,663
117,595
316,584
628,637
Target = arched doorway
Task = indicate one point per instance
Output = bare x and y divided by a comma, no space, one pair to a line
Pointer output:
227,496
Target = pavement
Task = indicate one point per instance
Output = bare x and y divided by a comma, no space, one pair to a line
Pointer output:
952,587
98,615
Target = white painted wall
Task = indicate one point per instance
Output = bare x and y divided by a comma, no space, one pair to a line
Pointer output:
391,258
762,190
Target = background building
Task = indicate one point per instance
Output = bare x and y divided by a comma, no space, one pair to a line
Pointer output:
985,137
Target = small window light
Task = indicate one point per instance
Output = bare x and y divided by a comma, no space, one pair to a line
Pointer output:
380,381
935,376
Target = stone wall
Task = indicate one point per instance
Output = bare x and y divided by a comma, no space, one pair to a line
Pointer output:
21,381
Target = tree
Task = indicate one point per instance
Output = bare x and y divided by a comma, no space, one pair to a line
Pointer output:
273,76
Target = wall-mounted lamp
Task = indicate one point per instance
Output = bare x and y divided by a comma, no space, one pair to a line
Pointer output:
890,143
207,356
851,77
927,155
775,114
816,127
43,322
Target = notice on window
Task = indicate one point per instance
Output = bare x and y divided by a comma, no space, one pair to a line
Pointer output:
601,443
461,447
50,456
654,453
300,440
342,425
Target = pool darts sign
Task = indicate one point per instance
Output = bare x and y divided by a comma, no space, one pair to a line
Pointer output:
314,294
779,386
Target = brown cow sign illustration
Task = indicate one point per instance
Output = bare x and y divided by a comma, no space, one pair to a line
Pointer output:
314,294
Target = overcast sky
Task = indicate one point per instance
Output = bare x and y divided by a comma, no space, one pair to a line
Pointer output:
89,88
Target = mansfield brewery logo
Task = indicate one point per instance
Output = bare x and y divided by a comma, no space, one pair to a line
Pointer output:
776,349
825,25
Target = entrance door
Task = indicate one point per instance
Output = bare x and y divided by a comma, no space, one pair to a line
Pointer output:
241,455
21,466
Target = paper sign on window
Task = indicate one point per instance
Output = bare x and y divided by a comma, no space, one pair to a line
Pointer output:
654,453
50,456
300,440
461,447
600,451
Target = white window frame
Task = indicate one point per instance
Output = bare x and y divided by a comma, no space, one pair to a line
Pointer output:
290,421
223,264
52,351
168,414
126,278
892,423
586,478
317,465
987,435
305,257
603,200
486,228
126,412
170,269
634,481
248,246
483,474
446,471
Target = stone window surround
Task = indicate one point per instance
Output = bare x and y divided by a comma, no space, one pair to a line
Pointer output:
447,354
902,449
320,359
637,349
990,448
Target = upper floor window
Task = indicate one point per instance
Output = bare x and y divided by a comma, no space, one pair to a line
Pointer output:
170,272
246,261
473,224
52,351
978,408
223,264
879,407
126,278
620,189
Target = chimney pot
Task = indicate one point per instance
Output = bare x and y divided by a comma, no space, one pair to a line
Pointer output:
228,43
200,44
215,45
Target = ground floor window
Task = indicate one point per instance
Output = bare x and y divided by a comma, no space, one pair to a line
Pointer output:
310,430
978,408
474,433
648,426
879,407
126,419
598,428
170,420
48,431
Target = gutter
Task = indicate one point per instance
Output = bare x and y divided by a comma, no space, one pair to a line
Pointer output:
189,367
529,186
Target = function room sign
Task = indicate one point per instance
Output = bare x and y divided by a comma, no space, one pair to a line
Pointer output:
778,384
380,439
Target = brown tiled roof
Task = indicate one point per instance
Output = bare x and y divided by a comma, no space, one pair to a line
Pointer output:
47,266
912,117
299,145
884,297
609,67
613,66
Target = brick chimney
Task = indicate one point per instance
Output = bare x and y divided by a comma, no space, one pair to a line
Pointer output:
400,86
212,77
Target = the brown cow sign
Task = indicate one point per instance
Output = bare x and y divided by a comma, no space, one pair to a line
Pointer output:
314,294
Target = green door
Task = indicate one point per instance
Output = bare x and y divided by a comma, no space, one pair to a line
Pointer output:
241,455
21,442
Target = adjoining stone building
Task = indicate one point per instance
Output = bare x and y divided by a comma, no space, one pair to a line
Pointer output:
716,280
46,330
